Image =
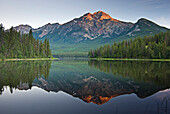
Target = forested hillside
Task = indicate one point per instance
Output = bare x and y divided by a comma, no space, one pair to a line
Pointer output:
15,45
152,47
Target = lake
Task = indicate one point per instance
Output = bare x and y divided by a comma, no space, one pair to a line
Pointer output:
84,87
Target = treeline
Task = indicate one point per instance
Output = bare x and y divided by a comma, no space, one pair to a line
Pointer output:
15,45
152,47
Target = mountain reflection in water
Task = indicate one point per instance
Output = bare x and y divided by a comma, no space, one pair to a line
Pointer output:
92,81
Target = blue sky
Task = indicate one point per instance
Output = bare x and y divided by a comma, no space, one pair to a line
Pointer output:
40,12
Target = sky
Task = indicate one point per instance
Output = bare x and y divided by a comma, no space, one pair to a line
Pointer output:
37,13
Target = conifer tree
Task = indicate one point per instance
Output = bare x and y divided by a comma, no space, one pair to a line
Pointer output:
13,44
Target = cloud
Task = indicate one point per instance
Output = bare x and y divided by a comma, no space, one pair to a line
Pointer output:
163,21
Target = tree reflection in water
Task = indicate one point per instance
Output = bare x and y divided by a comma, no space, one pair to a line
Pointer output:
20,74
114,78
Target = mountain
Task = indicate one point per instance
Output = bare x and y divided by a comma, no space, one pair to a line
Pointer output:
46,29
144,27
91,26
24,29
90,31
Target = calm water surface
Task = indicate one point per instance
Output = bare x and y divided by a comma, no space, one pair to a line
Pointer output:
84,87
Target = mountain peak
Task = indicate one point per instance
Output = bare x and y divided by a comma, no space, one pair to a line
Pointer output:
142,20
146,22
88,16
24,29
22,25
102,15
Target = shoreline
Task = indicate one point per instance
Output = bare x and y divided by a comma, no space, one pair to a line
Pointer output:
28,59
98,59
126,59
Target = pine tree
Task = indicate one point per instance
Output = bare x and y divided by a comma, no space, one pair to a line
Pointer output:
48,49
41,49
37,48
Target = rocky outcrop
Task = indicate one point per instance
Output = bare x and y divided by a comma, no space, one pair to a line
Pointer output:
46,29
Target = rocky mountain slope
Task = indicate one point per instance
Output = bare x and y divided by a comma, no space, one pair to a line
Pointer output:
24,29
92,26
46,29
144,26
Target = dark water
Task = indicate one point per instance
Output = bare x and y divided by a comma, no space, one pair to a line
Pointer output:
84,87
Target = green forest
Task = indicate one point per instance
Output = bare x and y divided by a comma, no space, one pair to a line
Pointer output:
13,44
149,47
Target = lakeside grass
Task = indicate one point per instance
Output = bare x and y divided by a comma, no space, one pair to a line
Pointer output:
28,59
126,59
